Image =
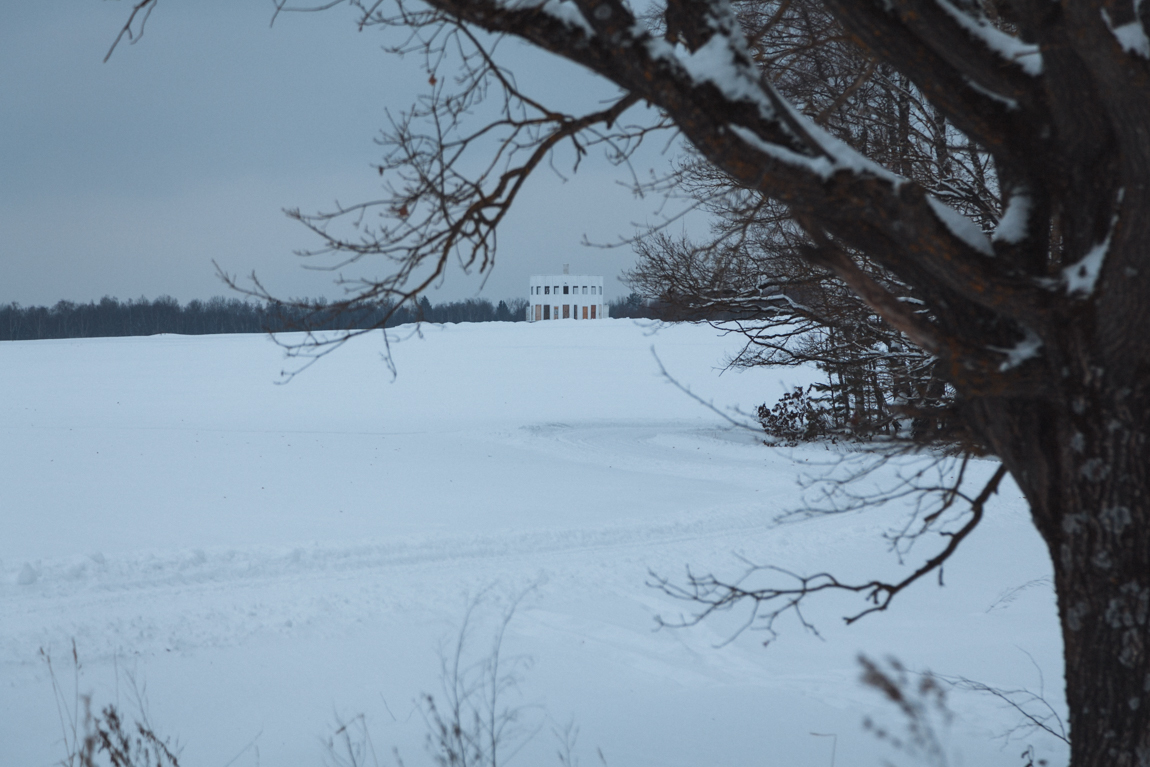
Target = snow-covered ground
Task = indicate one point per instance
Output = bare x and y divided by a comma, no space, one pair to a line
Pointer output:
267,560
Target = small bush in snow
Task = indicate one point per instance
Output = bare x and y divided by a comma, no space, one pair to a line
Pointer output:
796,417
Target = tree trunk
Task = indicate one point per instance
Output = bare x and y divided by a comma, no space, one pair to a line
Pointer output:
1083,469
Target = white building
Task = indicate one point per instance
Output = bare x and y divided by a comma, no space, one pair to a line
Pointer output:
566,296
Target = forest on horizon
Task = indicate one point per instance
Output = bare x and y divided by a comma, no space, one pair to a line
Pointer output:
143,317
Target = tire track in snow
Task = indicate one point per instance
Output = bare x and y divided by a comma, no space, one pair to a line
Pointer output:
182,600
155,601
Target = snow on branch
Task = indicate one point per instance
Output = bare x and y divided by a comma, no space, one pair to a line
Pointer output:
1008,47
961,227
723,60
718,62
1026,349
1132,36
1081,276
1011,104
834,154
561,10
822,167
1015,221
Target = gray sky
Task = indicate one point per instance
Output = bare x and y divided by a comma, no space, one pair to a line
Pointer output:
129,178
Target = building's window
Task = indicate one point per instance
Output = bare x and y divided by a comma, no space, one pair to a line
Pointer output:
592,311
538,312
547,290
564,290
546,312
584,312
566,311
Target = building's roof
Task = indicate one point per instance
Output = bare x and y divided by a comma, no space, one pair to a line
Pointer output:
566,276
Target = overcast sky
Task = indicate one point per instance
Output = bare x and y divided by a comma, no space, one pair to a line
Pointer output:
128,178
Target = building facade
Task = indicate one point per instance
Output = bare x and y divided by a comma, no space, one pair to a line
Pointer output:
565,297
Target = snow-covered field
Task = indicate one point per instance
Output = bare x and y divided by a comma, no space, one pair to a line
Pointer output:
268,559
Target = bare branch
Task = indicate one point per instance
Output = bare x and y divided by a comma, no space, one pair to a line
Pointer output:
767,605
144,7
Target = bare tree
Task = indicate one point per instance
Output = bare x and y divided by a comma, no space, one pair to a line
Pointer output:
750,277
1040,328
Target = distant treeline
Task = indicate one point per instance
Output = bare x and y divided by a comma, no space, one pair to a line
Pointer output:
141,317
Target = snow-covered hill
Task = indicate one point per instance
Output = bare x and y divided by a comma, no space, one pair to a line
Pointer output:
270,558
